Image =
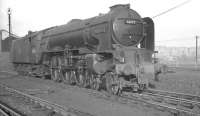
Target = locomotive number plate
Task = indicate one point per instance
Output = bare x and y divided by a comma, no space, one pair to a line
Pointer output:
129,21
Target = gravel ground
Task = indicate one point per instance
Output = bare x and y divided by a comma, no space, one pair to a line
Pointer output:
25,108
77,98
180,80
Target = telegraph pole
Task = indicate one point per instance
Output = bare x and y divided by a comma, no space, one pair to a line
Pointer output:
9,21
197,50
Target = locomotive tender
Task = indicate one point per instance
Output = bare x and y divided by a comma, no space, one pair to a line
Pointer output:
111,51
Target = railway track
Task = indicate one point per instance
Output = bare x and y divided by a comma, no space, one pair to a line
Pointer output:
180,100
8,111
174,94
178,104
151,101
163,103
54,108
175,103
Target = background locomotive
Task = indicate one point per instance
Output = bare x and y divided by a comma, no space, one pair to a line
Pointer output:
111,51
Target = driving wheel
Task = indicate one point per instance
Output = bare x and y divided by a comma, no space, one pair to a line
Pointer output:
112,85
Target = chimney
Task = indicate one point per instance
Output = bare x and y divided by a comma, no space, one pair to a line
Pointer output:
119,6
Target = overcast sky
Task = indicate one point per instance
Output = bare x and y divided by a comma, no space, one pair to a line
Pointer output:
175,28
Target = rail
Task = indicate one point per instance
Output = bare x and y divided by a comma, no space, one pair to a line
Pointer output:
159,105
7,111
65,111
175,94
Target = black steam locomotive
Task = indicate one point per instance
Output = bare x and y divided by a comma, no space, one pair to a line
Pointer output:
111,51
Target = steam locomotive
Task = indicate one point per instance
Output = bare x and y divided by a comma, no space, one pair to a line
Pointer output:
111,51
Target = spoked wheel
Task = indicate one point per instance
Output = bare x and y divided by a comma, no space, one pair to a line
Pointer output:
56,71
112,85
66,78
94,82
81,80
72,78
86,82
55,75
69,78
